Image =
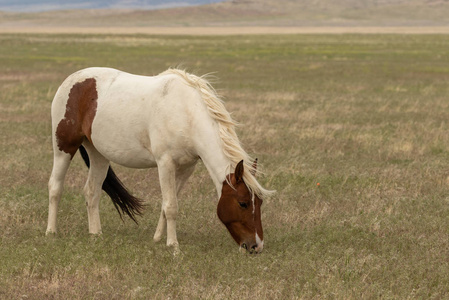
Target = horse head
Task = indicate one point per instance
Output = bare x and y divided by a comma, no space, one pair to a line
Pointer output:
239,210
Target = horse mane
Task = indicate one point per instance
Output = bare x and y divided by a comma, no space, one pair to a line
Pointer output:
231,144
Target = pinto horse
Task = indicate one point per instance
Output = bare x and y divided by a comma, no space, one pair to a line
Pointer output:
168,121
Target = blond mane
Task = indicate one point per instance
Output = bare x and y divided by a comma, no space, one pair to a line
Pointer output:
231,144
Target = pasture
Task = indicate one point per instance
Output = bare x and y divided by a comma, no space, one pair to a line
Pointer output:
365,116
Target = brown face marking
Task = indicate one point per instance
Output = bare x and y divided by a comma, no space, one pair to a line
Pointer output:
79,115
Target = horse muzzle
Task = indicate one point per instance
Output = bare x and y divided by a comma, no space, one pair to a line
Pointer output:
253,249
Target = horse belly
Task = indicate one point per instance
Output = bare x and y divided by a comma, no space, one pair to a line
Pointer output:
131,158
129,155
123,143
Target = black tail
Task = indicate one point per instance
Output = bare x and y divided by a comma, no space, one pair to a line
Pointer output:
124,202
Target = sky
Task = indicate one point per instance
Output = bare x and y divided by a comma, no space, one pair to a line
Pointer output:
48,5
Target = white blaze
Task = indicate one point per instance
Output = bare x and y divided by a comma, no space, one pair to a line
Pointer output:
259,242
254,206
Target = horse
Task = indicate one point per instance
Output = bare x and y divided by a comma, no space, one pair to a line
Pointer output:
168,121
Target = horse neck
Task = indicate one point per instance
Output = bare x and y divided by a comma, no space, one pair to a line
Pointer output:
217,164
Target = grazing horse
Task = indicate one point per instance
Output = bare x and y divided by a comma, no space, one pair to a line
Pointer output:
168,121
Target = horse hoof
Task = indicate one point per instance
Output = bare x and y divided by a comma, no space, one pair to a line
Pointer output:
176,251
50,233
95,236
175,247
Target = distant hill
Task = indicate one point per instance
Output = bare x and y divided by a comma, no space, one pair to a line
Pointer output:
47,5
247,13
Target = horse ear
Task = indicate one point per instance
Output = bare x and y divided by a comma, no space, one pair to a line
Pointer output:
254,169
238,173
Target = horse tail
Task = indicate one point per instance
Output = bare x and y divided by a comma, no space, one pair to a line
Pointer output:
123,201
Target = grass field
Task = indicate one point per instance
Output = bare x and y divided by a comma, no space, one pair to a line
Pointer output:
365,116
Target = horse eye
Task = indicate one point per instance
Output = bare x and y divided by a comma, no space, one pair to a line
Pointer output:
243,205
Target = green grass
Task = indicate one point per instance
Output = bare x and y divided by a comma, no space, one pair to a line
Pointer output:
363,115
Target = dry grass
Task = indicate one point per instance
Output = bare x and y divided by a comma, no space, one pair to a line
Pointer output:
363,115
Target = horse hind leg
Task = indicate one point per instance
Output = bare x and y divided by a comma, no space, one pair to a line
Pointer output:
92,190
61,163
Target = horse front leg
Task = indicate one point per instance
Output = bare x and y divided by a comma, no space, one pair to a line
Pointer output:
182,174
167,220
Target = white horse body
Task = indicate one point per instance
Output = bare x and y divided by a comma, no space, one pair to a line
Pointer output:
146,118
143,122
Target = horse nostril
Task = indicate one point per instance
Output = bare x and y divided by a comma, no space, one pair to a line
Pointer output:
253,249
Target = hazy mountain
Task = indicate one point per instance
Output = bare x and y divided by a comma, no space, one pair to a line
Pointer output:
140,13
48,5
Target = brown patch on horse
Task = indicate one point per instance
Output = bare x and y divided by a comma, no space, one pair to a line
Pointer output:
79,115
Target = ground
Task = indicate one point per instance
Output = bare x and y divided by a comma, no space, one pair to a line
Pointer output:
363,115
